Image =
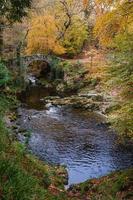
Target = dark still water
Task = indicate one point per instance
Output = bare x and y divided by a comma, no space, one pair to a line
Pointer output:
74,138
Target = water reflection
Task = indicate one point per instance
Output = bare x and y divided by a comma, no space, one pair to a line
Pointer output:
75,138
33,96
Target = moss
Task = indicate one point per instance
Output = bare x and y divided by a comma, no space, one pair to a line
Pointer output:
115,186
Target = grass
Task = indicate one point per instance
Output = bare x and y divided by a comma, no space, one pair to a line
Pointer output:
116,186
23,176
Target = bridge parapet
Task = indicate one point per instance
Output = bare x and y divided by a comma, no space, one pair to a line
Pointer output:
26,60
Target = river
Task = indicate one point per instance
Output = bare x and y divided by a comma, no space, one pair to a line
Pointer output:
72,137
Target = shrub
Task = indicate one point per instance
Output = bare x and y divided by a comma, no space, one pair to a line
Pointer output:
4,75
121,80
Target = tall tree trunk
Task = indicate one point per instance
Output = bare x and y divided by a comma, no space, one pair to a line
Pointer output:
1,38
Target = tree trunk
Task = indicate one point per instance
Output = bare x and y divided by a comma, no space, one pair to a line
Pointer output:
1,38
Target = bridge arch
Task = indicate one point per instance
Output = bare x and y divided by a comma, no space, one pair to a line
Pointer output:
25,61
39,68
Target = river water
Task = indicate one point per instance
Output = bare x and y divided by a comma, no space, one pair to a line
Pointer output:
72,137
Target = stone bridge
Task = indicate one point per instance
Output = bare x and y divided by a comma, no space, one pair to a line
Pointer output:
21,64
25,61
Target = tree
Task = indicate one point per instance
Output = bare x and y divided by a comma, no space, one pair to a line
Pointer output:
11,11
116,19
65,27
75,37
120,74
88,7
42,37
114,30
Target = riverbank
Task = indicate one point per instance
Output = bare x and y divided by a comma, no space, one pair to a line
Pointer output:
116,186
57,129
24,177
34,178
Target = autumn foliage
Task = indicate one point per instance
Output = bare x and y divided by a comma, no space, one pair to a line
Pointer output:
114,30
42,37
61,29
